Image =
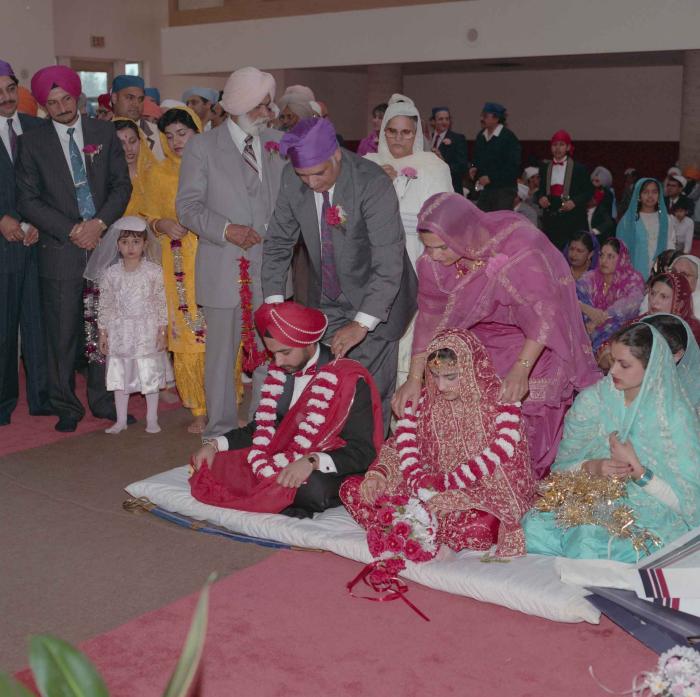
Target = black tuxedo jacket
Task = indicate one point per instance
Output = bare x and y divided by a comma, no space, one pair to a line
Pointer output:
12,254
456,156
602,221
46,194
357,454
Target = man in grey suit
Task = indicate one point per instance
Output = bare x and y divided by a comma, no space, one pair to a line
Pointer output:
347,213
228,185
72,184
19,277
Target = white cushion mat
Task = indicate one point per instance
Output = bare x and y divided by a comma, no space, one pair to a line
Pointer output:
530,584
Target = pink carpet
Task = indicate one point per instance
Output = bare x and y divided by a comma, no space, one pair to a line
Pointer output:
288,627
27,431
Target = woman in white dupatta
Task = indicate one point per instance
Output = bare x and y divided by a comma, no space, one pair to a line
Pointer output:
417,175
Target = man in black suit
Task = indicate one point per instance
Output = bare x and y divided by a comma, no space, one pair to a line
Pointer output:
565,190
19,278
675,186
496,162
450,146
291,334
72,184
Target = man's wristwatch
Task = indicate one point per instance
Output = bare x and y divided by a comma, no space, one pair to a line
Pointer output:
103,224
364,326
213,442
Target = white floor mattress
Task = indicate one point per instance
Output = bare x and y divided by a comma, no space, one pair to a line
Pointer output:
529,584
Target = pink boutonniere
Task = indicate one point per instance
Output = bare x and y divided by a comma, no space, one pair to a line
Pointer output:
409,173
91,150
496,263
272,147
336,216
447,141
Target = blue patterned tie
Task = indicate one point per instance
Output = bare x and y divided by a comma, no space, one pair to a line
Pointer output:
329,274
86,206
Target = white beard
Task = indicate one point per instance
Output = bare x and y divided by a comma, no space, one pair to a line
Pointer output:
252,128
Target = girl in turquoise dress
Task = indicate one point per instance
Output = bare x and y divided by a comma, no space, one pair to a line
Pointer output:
636,422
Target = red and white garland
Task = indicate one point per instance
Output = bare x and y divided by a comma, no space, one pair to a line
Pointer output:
497,453
196,324
318,395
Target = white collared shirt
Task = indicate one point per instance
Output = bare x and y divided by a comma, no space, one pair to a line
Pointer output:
495,134
238,135
325,461
362,317
5,132
64,138
558,172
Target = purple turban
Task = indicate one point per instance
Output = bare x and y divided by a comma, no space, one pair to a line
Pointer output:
309,143
55,76
6,70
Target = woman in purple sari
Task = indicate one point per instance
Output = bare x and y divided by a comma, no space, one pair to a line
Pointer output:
610,295
498,276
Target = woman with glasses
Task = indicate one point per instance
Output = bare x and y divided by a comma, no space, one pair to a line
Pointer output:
417,175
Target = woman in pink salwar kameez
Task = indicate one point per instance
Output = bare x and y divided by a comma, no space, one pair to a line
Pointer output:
498,276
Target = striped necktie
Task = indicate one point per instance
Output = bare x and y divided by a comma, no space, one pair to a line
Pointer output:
249,154
329,274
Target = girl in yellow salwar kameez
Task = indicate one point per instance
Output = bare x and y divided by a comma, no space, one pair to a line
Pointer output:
186,327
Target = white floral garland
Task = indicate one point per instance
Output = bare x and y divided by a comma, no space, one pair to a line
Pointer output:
500,451
265,463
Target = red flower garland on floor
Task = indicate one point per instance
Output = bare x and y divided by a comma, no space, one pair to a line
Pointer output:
252,355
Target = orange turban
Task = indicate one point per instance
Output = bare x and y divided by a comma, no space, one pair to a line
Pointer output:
26,104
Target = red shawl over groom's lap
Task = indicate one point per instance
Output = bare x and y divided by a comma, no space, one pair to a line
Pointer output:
231,483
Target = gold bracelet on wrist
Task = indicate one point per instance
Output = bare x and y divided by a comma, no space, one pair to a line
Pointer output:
154,225
416,377
524,362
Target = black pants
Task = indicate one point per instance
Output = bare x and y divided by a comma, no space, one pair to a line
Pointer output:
20,311
501,199
318,493
62,305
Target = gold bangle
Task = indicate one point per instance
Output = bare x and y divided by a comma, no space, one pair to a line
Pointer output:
416,377
524,362
154,225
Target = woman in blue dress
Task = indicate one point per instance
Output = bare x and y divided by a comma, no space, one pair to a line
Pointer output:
638,423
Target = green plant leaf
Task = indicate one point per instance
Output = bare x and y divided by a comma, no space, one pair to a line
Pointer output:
12,688
185,673
62,671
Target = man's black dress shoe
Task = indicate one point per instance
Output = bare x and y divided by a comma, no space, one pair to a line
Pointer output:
66,424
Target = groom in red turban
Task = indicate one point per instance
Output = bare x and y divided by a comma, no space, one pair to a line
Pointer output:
318,421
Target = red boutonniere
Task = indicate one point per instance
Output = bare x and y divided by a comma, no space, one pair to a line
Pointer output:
336,216
409,173
447,141
272,147
91,150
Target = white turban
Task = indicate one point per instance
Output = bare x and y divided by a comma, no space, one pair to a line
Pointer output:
399,105
530,172
300,100
171,104
245,89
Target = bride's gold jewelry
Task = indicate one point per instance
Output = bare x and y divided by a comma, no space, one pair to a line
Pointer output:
468,266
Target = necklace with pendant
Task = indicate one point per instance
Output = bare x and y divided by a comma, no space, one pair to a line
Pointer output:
464,267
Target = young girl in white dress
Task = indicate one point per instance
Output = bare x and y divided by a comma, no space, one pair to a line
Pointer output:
132,321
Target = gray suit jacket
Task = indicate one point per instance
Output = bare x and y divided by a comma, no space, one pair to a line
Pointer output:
46,194
211,193
373,267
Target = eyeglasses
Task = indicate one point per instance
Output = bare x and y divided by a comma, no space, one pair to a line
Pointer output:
395,135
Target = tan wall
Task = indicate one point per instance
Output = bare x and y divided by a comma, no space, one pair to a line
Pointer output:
21,20
593,104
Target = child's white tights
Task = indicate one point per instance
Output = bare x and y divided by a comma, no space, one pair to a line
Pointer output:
121,402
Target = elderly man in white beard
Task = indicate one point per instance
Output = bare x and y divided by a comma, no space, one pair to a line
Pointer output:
229,180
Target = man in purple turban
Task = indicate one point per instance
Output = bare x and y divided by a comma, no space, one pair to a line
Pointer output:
19,279
72,184
346,211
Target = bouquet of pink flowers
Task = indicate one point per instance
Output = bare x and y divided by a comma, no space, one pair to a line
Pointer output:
402,529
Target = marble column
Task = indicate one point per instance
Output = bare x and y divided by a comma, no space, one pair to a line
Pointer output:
690,111
382,82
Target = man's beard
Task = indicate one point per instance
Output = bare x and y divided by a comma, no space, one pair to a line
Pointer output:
252,128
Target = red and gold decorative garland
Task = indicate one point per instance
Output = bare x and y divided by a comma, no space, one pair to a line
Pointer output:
197,325
252,355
